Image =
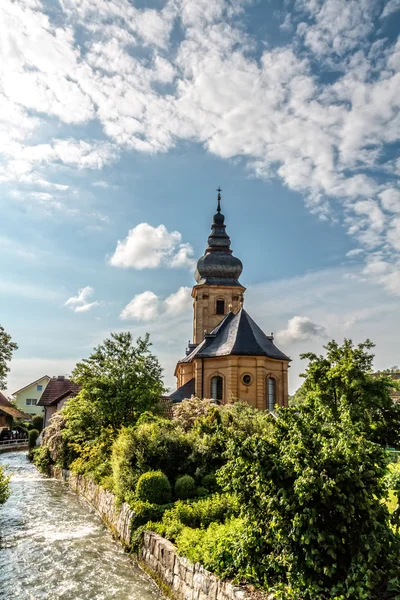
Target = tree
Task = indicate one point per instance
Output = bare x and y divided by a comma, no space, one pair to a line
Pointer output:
7,347
4,486
311,493
121,380
343,380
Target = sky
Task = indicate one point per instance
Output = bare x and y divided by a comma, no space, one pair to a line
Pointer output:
118,121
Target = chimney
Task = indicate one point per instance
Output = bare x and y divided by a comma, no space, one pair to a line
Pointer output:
60,377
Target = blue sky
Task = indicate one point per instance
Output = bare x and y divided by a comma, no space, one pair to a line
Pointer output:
118,121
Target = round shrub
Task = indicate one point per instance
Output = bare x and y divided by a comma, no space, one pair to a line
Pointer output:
32,437
153,487
201,492
185,487
210,482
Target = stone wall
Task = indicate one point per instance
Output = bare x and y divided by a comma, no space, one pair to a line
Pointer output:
182,579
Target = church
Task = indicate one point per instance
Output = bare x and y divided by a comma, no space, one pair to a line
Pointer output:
230,357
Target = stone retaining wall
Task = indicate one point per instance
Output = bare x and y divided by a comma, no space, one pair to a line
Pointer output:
183,580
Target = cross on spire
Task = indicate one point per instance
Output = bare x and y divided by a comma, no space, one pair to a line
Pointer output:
219,199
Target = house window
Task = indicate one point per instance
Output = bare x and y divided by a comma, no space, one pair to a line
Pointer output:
220,307
30,402
271,393
217,388
39,388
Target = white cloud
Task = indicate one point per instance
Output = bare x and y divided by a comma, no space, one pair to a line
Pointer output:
299,329
143,307
355,252
391,7
148,247
147,306
80,303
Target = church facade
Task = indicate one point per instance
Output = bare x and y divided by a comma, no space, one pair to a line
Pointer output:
230,357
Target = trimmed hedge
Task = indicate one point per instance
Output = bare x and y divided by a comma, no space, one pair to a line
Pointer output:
153,487
185,487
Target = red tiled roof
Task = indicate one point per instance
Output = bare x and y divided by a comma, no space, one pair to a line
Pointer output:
57,387
7,407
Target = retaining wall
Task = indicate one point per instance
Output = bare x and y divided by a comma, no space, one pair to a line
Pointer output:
182,579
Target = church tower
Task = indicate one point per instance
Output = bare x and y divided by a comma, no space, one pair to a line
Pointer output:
218,290
231,357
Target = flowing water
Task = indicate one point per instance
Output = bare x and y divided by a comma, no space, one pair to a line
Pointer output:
54,547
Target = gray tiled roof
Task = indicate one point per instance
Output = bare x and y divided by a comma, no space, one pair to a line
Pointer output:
185,391
236,335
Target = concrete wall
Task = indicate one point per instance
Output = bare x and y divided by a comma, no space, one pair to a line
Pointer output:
182,579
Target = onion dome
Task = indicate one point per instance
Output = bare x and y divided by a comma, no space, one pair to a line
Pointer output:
218,266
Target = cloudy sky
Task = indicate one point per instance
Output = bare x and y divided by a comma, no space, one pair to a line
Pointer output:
118,120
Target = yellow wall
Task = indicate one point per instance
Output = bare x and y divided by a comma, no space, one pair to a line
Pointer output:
232,369
31,392
204,305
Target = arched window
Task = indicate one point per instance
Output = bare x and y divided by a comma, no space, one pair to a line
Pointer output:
271,393
217,388
220,307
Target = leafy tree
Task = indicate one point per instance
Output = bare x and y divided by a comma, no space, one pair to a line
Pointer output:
343,380
121,379
4,486
7,347
312,493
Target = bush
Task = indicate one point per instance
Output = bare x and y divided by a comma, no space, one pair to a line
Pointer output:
146,511
32,438
153,487
4,486
210,482
185,413
217,548
311,493
37,423
42,459
185,487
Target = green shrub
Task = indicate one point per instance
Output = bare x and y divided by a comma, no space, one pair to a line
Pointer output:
185,487
210,482
37,423
153,487
42,459
32,438
145,512
4,486
217,548
201,492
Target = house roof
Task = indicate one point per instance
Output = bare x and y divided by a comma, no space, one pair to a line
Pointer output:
7,407
236,335
185,391
29,384
56,389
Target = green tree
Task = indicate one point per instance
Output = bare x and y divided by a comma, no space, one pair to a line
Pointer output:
121,380
4,486
312,493
7,347
343,380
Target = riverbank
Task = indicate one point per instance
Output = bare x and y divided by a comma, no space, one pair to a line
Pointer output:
54,547
178,578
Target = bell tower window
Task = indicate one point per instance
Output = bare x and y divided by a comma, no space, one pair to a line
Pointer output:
220,307
217,388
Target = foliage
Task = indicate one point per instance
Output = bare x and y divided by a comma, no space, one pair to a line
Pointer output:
343,381
185,413
122,379
42,459
154,487
7,347
311,494
32,438
4,486
185,487
197,514
37,423
146,511
158,445
393,481
53,441
299,396
217,548
209,482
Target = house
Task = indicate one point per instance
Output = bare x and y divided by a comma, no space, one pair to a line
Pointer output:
9,412
230,357
58,391
27,398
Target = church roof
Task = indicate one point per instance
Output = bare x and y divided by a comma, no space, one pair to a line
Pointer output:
218,266
236,335
185,391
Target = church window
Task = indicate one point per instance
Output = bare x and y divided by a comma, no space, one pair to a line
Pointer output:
271,393
246,379
220,307
217,388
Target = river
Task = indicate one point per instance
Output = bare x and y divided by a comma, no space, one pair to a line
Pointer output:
54,547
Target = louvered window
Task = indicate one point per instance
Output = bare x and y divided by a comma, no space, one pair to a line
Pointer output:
217,388
271,393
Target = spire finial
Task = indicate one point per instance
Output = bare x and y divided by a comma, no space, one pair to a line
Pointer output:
219,199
